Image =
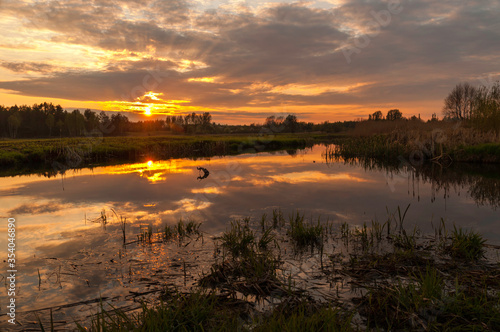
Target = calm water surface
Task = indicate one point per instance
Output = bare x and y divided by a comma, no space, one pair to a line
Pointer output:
79,260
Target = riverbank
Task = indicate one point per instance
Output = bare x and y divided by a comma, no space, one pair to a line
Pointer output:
396,142
68,153
414,143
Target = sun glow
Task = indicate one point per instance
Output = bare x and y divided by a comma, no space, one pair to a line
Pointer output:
152,103
153,171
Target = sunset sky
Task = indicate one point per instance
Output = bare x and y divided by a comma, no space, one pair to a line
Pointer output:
246,60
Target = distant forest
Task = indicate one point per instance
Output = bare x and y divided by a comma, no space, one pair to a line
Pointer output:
48,120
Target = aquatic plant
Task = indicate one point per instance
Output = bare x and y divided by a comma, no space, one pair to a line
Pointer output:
239,239
468,245
278,219
181,229
303,233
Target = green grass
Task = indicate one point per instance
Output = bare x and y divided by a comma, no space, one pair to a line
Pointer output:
488,152
305,233
467,245
239,239
207,311
306,317
256,274
197,311
405,241
253,266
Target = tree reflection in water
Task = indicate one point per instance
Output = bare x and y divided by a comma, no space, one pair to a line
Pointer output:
481,181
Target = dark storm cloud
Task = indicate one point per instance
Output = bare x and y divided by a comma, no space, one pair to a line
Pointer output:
416,53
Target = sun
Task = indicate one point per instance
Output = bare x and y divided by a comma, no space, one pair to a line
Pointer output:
147,111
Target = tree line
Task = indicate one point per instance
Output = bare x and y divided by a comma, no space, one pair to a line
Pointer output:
395,115
49,120
478,105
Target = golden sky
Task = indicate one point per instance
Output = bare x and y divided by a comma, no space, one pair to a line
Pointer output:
246,60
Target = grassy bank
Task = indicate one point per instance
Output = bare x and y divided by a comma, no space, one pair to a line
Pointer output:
79,152
415,142
381,276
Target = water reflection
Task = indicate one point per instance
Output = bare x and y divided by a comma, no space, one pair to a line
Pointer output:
55,238
480,182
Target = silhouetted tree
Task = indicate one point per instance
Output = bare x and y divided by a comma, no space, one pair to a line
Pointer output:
394,114
14,122
291,123
486,112
91,120
459,103
376,116
50,122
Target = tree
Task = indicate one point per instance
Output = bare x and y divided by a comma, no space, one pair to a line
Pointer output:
376,116
394,114
291,123
206,119
274,123
486,113
14,122
50,122
119,123
459,104
60,126
91,120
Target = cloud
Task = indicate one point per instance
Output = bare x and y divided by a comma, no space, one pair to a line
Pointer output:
264,56
25,67
38,208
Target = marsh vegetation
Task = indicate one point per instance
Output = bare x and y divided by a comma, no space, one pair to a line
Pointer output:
376,276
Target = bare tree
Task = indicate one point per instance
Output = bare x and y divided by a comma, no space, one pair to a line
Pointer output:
459,104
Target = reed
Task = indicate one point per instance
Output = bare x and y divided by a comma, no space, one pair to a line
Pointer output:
278,219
